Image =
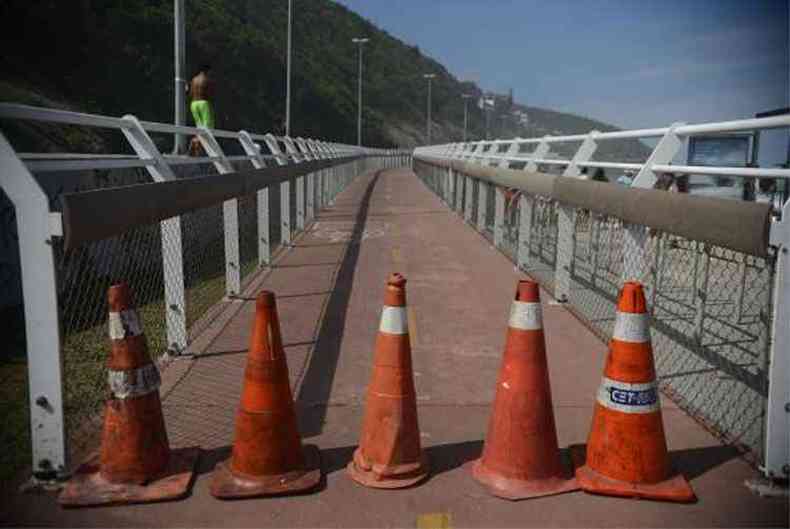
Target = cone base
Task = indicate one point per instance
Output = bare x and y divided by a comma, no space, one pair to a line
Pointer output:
369,478
675,489
227,485
519,489
89,488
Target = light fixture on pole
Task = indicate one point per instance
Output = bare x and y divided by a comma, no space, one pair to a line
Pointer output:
466,98
429,76
288,73
359,42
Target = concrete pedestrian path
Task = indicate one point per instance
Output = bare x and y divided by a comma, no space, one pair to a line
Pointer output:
329,288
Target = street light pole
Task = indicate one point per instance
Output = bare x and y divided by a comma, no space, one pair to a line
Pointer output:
179,31
488,117
288,74
359,42
466,110
503,117
430,77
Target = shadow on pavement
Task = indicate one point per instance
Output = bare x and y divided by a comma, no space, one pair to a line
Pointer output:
450,456
316,385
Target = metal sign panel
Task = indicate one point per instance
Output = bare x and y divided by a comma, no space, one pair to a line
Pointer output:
731,150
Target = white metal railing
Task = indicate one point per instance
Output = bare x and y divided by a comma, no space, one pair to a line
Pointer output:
38,226
505,152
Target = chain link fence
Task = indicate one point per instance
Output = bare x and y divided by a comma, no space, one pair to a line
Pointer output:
711,306
140,257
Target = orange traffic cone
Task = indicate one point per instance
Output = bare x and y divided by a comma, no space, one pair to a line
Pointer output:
626,450
135,463
268,457
389,455
521,458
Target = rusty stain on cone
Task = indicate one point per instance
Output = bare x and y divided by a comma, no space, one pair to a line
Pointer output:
521,457
267,457
389,453
626,453
135,463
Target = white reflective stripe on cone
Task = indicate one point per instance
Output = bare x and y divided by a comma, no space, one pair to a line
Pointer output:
629,397
394,320
526,316
134,382
124,324
631,327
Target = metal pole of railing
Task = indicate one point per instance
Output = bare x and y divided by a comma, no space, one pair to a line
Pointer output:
299,183
566,223
635,238
42,322
777,428
180,143
262,199
230,215
172,246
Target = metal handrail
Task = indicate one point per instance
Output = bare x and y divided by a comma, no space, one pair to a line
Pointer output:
49,162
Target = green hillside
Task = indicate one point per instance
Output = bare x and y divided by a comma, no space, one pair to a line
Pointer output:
116,57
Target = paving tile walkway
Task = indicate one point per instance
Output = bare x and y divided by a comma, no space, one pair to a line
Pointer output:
330,290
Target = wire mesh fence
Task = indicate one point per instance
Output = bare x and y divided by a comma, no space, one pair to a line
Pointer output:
710,306
143,257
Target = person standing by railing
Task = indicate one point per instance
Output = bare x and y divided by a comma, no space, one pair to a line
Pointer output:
201,90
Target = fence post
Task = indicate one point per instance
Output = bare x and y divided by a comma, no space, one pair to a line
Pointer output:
476,154
451,188
482,205
511,152
311,178
172,246
319,153
777,430
308,181
230,215
635,239
524,229
285,191
458,183
264,249
297,158
566,223
526,205
36,227
469,197
499,215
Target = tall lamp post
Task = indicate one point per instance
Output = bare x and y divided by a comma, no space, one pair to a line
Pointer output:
429,76
359,42
503,117
466,98
288,73
180,79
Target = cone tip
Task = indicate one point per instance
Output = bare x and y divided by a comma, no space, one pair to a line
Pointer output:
528,291
632,298
119,297
397,280
265,299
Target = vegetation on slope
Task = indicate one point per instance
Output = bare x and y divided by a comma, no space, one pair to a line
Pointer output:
116,57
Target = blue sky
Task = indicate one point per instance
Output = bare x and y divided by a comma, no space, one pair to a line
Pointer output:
632,63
